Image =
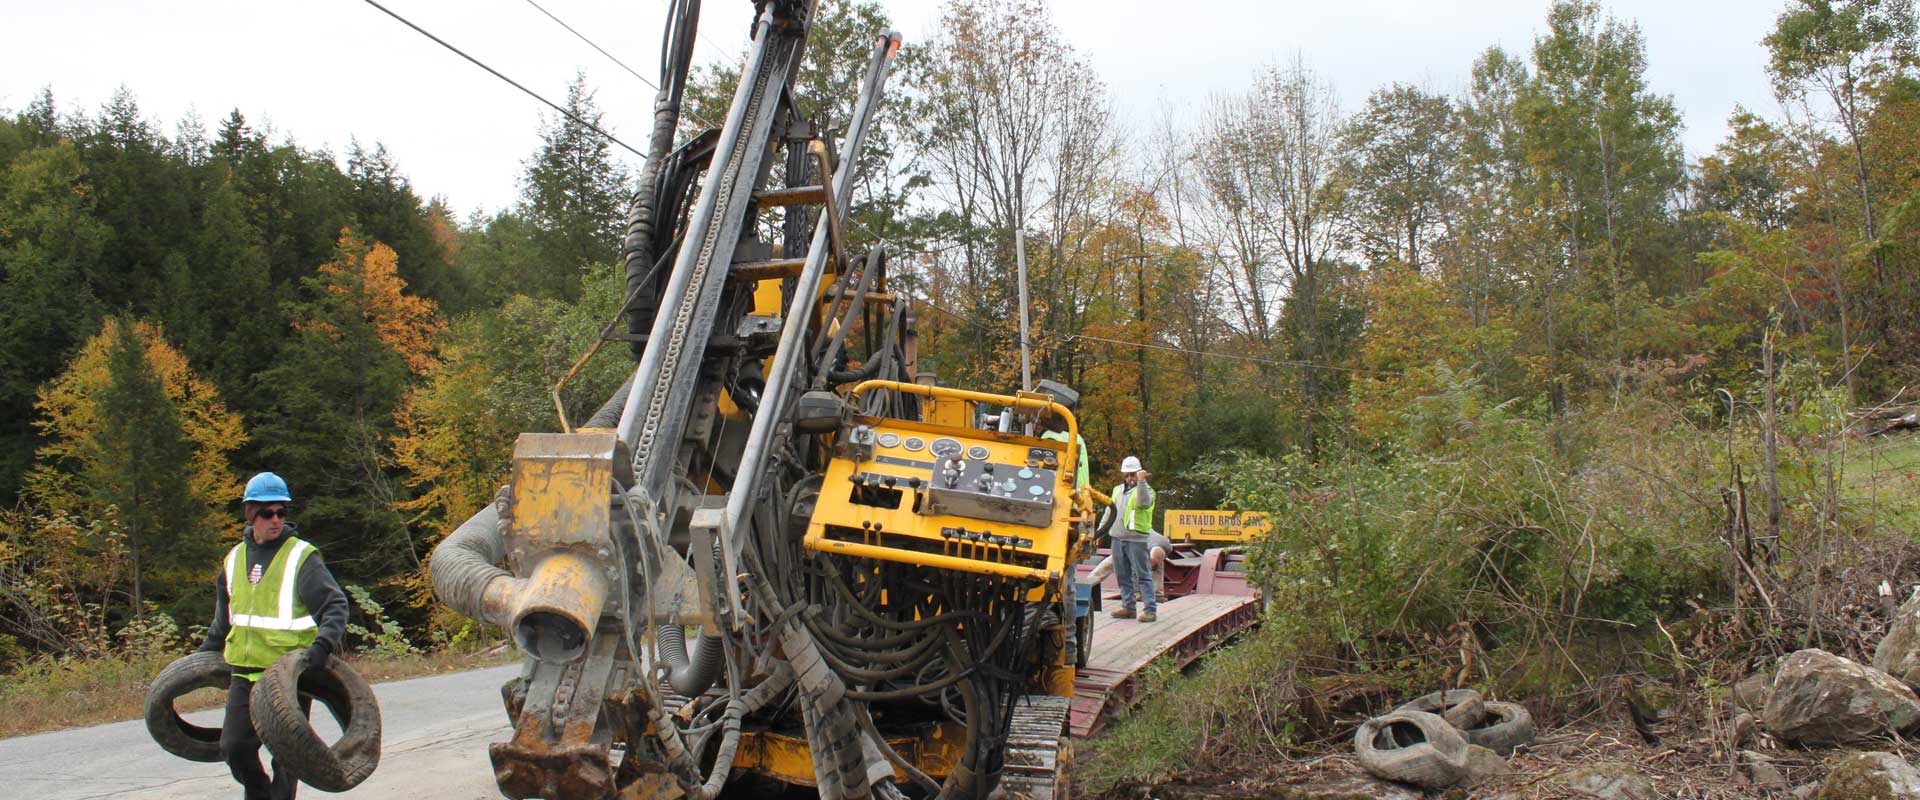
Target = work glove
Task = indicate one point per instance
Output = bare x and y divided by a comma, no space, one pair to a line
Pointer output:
318,653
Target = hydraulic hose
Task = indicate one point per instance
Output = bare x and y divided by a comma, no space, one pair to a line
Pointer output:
609,414
464,575
689,676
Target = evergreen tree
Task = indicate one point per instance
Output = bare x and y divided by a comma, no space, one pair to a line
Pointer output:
574,194
135,439
50,253
359,338
385,209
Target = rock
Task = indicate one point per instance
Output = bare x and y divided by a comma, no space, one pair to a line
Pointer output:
1743,729
1352,788
1761,771
1484,765
1870,776
1899,652
1609,780
1750,694
1822,699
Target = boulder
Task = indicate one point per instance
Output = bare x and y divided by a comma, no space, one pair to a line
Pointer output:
1484,765
1608,780
1899,652
1760,770
1821,699
1870,776
1750,694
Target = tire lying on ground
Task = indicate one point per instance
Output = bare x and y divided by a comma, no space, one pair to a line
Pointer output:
289,734
1412,747
1508,726
1461,708
174,734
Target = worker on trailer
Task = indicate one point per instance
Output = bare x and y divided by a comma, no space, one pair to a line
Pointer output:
1053,426
272,595
1132,522
1159,547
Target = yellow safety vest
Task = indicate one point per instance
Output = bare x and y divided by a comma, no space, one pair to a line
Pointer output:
267,618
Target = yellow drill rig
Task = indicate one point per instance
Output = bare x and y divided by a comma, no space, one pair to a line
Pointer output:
779,552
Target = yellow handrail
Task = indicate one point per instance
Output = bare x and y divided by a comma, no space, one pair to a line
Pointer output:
1070,459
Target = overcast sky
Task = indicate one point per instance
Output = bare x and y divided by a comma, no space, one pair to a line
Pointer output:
323,71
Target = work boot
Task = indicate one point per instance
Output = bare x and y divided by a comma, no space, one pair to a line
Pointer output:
1122,613
1148,616
1160,598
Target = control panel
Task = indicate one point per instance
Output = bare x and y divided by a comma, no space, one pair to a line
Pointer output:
912,491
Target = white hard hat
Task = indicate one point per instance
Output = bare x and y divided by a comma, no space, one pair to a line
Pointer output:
1130,464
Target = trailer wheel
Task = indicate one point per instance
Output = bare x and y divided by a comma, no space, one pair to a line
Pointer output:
202,670
284,727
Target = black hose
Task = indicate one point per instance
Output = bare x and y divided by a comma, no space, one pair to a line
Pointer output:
690,676
609,414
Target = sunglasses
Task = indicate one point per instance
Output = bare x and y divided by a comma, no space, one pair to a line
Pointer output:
269,513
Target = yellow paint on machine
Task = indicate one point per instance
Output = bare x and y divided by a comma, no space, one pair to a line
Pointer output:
1200,525
936,751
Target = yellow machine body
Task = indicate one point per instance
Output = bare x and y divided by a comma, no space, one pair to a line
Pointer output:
950,498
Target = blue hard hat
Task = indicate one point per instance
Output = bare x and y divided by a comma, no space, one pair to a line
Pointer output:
267,487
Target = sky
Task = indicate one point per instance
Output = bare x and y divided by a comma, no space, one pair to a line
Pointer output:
328,71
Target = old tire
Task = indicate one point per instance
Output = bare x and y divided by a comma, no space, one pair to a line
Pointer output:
203,670
278,718
1461,708
1412,747
1508,726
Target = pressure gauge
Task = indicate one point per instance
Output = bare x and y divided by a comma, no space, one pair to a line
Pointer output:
945,447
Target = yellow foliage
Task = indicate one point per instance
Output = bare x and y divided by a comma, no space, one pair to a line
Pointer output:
69,420
368,277
1411,328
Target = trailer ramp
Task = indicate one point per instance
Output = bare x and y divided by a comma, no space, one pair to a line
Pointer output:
1188,627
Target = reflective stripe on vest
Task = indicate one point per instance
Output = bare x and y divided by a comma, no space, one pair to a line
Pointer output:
295,554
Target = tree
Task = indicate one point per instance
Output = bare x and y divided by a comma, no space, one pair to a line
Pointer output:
1751,175
1835,47
386,210
1607,154
574,194
136,438
1401,152
358,338
50,253
456,428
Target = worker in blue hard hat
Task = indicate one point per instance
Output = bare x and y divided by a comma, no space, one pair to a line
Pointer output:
272,595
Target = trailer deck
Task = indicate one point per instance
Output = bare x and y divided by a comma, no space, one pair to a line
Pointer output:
1209,602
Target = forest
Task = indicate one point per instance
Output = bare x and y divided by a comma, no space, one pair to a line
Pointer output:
1514,320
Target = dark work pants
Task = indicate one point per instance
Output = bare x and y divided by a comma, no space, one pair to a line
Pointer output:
240,747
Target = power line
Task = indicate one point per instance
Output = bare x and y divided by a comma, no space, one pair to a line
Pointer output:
516,84
582,37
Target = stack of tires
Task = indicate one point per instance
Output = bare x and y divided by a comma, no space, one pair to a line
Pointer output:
1425,742
281,698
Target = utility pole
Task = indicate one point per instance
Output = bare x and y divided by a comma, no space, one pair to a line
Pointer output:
1020,258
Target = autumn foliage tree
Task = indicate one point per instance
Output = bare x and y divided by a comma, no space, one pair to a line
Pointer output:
138,442
359,337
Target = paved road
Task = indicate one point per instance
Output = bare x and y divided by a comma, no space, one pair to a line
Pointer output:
434,745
